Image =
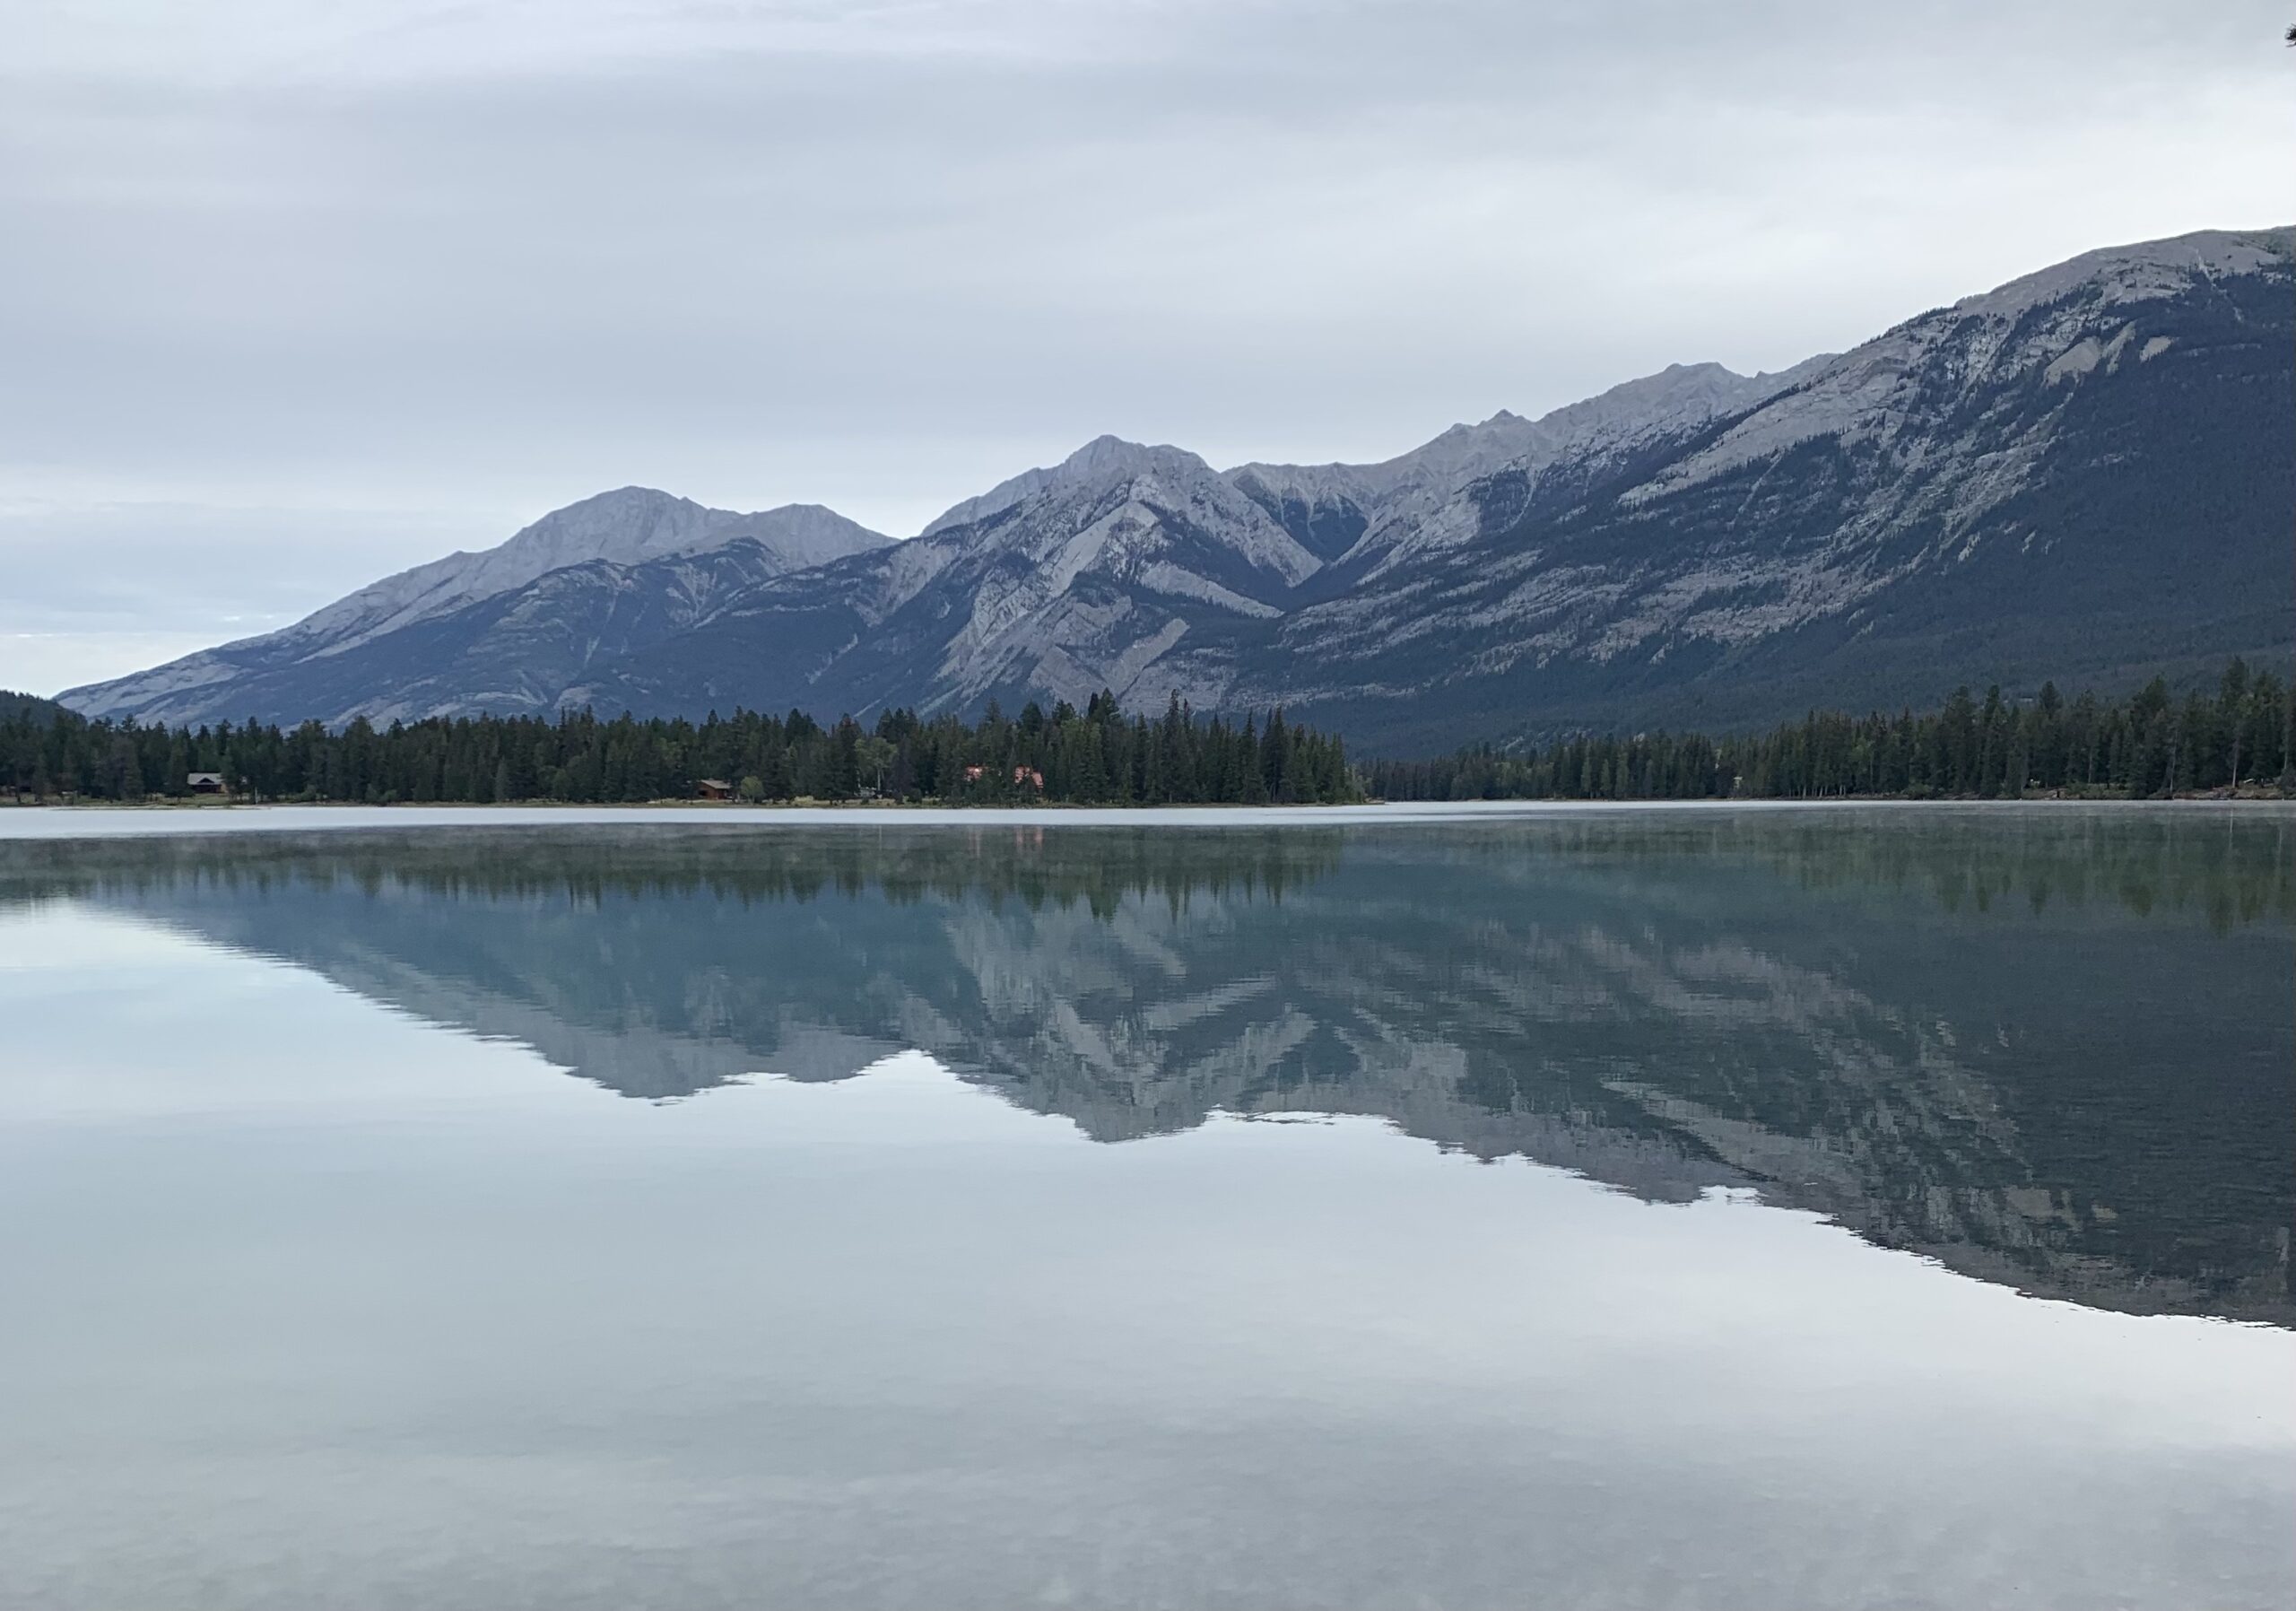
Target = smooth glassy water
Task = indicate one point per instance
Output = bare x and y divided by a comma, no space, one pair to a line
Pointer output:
1708,1208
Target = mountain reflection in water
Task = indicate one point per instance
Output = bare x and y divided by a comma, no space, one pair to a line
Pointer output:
2052,1049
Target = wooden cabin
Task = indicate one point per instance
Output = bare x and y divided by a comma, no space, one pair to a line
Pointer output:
714,788
205,783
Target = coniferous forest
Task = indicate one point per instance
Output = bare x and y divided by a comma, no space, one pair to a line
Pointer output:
1096,756
2150,745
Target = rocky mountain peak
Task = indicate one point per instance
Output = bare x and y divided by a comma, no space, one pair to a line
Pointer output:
2142,271
1103,462
2105,437
802,535
1109,456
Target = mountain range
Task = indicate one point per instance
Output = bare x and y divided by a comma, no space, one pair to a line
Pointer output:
2085,473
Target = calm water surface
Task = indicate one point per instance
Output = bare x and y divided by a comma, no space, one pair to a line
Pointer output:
1689,1209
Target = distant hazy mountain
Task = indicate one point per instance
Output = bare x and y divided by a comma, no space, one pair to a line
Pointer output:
506,630
2085,473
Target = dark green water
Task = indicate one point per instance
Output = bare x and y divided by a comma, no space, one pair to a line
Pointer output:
1698,1209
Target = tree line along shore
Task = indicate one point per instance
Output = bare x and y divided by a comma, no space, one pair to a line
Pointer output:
2240,737
2150,745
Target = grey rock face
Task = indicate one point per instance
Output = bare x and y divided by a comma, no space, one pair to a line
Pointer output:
2084,474
288,674
1058,583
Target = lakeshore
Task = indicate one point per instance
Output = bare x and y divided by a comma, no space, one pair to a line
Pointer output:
105,819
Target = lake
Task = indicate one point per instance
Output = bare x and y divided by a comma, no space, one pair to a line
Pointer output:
1859,1208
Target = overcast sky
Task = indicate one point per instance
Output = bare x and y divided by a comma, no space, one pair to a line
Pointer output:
296,294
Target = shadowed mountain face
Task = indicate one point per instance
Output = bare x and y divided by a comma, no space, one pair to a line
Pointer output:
2051,1049
2083,475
